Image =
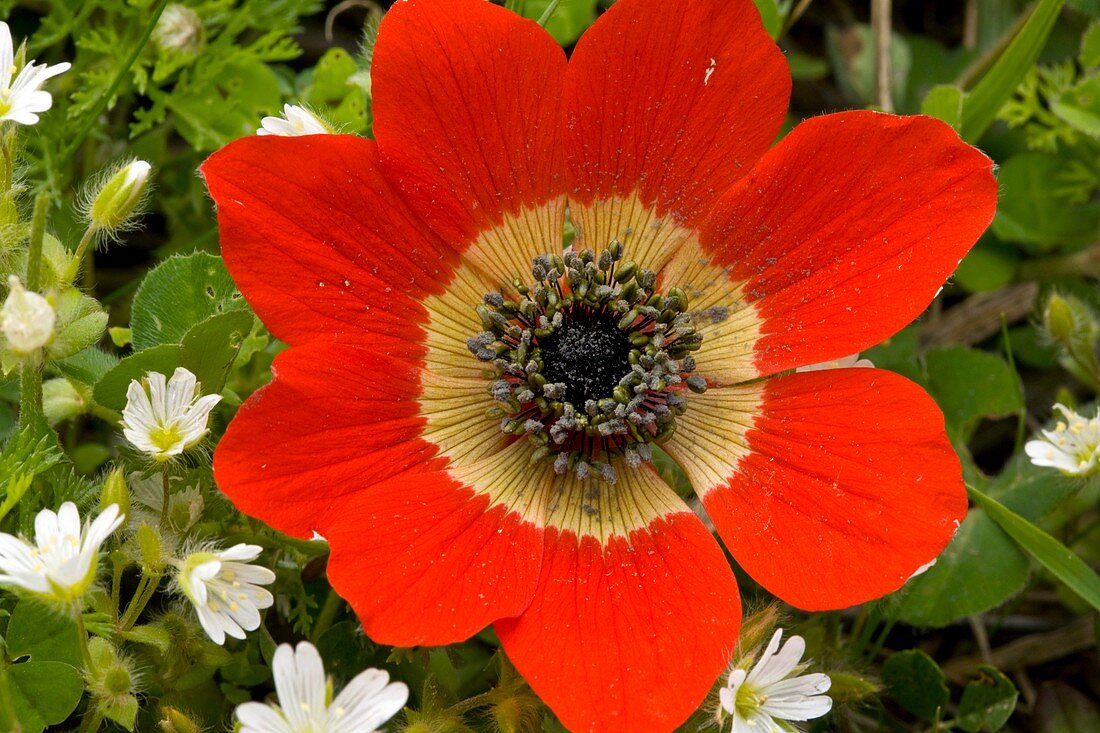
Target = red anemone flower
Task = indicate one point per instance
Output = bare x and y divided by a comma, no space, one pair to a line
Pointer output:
421,283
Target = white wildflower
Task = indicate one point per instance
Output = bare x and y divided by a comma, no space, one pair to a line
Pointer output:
304,694
846,363
225,590
163,418
295,121
774,691
21,96
27,319
61,565
1073,447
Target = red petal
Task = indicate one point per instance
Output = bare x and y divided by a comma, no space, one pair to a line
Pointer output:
843,486
466,104
672,102
334,420
424,560
628,635
838,238
318,241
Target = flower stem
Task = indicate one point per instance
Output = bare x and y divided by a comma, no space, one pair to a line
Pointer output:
550,9
30,378
327,614
92,722
83,633
147,586
167,486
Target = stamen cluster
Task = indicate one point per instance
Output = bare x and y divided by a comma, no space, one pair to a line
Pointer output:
590,361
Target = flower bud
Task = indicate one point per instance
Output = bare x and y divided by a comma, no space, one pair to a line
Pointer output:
115,491
27,319
119,198
1058,318
112,683
151,548
180,30
173,721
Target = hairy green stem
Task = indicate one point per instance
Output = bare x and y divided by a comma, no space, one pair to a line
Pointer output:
30,377
333,602
81,254
83,633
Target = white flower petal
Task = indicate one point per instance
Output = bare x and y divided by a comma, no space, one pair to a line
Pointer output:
259,718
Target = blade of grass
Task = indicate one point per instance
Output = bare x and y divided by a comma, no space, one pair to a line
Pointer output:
997,85
1049,552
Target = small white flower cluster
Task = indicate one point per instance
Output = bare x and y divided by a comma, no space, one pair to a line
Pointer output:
164,417
21,95
61,564
1073,447
775,691
225,590
305,704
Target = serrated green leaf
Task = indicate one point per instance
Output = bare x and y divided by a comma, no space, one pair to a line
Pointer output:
178,294
916,683
998,84
1079,106
988,702
979,570
1051,554
87,366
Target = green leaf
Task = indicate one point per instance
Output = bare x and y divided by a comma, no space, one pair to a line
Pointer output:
991,265
178,294
944,102
979,570
770,17
998,84
44,637
916,683
42,693
1079,107
80,324
970,384
110,391
1031,211
1032,491
330,78
87,367
569,20
1051,554
987,702
210,348
1090,46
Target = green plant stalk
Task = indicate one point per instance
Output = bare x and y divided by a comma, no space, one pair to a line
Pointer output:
1049,552
147,586
327,614
70,151
30,376
550,10
78,614
166,483
983,103
80,255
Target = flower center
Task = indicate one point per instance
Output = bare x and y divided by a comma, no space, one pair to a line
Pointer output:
588,353
165,437
590,361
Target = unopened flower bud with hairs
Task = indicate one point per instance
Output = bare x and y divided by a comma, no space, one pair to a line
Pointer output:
119,199
27,319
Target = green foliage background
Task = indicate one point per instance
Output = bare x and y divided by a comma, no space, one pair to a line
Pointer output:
999,635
